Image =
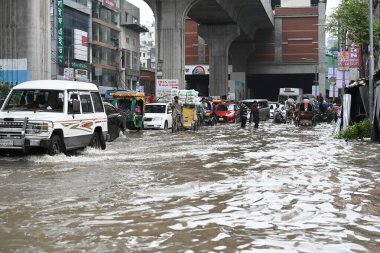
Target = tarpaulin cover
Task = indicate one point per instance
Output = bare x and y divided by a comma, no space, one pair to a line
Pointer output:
346,110
364,96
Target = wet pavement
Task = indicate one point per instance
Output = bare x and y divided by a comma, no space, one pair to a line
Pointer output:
222,189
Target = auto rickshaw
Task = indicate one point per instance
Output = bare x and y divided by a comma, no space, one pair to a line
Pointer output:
209,115
131,104
305,114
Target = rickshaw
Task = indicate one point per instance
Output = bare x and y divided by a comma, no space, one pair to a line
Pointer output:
209,116
131,104
190,117
305,114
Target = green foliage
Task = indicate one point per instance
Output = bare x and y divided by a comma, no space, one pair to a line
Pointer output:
4,90
352,17
357,131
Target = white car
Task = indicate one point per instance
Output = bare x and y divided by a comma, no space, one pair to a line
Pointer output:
157,116
53,115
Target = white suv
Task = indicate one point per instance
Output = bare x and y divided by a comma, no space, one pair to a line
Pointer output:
56,116
157,116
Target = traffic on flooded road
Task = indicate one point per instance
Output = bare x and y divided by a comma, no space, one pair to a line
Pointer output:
277,188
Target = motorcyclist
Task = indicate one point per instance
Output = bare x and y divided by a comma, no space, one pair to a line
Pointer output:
278,117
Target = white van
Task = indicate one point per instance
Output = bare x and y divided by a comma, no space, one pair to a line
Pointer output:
56,116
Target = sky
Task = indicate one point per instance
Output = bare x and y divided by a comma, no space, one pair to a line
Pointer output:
147,17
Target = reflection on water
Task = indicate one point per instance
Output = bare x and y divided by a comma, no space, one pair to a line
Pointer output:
222,189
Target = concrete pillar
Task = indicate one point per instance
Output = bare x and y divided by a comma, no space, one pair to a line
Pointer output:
278,40
322,47
170,38
239,53
219,39
25,34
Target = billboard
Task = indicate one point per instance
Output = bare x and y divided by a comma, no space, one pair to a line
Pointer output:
343,60
80,45
60,43
164,88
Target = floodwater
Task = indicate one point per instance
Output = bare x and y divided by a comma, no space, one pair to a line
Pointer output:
222,189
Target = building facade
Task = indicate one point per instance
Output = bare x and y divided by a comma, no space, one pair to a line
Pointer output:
130,45
70,38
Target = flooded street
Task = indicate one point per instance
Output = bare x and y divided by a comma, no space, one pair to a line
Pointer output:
222,189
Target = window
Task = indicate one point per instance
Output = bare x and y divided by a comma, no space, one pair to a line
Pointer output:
127,39
85,101
97,102
72,96
126,17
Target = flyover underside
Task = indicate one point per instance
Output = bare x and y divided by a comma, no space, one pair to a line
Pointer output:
267,86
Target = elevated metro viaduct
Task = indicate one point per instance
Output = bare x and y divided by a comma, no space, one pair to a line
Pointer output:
229,29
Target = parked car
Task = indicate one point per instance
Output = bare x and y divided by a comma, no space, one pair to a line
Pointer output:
227,112
264,111
116,121
53,115
157,116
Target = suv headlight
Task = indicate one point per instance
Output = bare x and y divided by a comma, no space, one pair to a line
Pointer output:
157,119
37,128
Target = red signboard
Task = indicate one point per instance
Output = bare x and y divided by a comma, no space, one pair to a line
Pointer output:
110,4
355,53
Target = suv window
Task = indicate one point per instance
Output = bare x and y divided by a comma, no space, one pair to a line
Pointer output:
72,96
97,102
85,101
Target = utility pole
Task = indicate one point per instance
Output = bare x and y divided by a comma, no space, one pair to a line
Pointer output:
371,70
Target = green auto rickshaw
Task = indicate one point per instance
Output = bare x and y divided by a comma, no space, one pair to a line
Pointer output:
131,104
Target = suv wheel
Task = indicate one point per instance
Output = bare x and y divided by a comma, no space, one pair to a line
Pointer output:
55,147
95,141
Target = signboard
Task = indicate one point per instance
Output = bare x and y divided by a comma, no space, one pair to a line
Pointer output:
81,74
343,60
110,4
164,88
355,53
68,74
315,90
80,45
60,45
78,65
197,70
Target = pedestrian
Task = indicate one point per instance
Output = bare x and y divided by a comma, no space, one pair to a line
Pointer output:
243,114
255,114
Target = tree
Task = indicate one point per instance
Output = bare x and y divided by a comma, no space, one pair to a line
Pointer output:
351,18
4,90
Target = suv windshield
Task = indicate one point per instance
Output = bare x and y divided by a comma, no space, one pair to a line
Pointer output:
155,108
36,100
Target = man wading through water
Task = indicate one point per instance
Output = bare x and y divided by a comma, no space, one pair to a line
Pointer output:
255,114
243,114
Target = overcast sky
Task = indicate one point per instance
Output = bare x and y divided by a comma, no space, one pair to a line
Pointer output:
147,17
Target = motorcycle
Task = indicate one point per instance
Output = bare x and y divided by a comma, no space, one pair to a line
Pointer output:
279,118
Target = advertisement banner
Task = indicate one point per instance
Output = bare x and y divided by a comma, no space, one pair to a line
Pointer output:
60,44
355,53
197,70
343,60
80,45
164,88
110,4
68,74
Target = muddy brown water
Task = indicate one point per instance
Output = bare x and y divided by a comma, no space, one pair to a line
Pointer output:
222,189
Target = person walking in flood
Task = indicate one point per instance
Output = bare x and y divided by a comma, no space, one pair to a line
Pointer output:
243,114
255,114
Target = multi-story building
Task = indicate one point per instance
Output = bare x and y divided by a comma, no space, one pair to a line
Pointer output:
70,36
130,45
106,56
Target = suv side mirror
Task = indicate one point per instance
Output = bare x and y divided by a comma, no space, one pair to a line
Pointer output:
169,111
76,106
